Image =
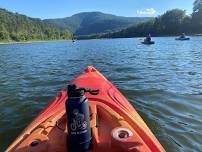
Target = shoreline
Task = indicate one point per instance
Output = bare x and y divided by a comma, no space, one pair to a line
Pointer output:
29,42
44,41
93,38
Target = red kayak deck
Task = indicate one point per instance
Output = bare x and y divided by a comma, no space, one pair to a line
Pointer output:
111,114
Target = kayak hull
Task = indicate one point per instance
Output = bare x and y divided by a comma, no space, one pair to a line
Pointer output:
148,43
182,39
111,115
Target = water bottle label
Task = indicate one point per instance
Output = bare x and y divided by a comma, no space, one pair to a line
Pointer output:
78,123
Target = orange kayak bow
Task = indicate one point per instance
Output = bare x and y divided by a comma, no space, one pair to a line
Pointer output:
114,123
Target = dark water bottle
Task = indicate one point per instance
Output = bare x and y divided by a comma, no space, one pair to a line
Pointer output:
78,119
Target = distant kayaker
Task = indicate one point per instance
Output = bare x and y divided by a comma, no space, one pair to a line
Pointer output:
148,38
183,35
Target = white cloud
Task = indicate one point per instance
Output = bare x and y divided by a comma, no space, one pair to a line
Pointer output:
147,11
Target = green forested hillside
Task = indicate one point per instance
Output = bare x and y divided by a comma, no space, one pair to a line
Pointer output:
17,27
197,16
94,22
173,22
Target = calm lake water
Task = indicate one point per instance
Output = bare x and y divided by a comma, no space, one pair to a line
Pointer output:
162,81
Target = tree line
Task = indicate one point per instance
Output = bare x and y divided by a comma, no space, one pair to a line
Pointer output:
17,27
173,22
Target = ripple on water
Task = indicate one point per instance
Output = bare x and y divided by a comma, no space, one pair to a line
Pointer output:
172,114
163,82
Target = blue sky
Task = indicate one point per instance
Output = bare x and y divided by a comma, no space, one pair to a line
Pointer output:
63,8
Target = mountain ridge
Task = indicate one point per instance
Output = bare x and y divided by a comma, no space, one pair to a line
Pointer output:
20,27
86,23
